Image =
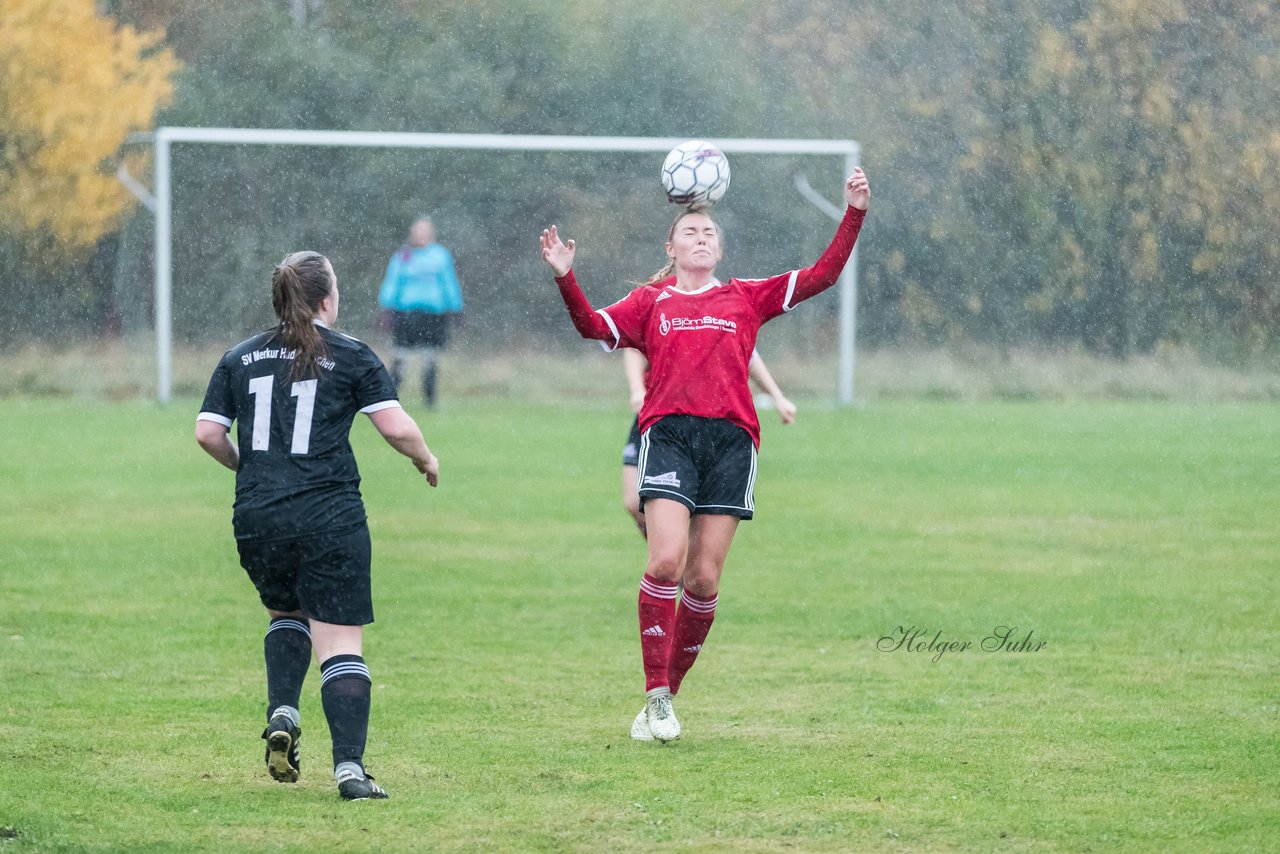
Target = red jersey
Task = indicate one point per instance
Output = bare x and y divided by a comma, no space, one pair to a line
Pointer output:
699,343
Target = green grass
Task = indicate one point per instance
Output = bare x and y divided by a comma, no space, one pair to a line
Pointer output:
1139,540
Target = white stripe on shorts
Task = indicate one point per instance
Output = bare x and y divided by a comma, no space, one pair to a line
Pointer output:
643,456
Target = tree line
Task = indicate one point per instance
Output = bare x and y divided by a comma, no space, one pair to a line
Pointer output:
1093,173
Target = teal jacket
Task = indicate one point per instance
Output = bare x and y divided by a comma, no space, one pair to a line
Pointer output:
421,278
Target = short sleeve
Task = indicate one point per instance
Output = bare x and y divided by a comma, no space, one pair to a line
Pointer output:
219,399
626,318
375,389
772,296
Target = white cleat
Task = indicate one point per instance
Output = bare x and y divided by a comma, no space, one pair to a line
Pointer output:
662,718
640,726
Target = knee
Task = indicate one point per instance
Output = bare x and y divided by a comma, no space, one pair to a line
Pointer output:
664,566
702,581
275,615
701,586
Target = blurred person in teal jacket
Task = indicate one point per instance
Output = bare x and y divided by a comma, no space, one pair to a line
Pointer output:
422,298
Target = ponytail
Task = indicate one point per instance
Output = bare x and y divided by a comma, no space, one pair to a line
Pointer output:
299,284
661,274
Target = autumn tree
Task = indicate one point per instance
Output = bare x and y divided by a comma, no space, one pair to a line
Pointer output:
72,87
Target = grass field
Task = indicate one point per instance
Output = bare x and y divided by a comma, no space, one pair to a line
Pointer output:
1139,541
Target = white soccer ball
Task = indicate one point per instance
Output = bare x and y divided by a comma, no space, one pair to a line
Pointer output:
695,174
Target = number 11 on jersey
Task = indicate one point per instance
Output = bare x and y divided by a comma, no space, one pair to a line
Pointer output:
304,391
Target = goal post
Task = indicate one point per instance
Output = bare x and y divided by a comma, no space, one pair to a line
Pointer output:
165,137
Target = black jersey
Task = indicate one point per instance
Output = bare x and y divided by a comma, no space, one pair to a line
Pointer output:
297,473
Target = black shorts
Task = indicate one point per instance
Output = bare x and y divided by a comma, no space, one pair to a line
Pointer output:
631,450
419,329
707,464
325,576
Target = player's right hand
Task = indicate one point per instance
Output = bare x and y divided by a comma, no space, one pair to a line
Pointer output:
559,256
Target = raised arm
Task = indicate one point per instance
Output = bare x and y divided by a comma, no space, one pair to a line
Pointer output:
823,274
403,434
559,257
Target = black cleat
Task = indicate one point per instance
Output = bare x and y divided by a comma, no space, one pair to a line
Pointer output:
355,786
282,748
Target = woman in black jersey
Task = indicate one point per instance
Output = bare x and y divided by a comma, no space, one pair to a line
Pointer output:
293,393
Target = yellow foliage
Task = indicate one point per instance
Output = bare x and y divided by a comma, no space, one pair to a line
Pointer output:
72,87
919,310
1040,302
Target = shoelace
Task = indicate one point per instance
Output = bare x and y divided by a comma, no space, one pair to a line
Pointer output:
662,708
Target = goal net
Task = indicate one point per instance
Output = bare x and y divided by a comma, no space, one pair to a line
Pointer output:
229,203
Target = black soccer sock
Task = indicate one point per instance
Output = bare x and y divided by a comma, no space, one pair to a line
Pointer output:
429,384
344,691
287,650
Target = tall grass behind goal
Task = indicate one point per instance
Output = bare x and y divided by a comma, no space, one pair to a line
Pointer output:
231,202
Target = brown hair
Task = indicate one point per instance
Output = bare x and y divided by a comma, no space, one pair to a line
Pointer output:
671,233
299,284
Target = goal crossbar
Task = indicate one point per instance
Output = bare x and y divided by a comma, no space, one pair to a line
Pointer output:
165,137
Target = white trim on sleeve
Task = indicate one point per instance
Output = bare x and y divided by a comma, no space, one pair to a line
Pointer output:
378,407
791,291
613,327
216,418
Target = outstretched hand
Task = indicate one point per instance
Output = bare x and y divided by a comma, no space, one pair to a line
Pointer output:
857,190
559,256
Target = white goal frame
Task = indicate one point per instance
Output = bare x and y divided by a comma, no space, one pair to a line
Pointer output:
165,137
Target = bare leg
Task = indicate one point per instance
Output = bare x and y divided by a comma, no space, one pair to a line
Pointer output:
668,534
709,540
330,639
631,497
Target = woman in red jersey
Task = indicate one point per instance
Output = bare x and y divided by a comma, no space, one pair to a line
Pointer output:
698,424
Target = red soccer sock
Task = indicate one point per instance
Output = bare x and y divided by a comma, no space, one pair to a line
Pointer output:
693,621
657,624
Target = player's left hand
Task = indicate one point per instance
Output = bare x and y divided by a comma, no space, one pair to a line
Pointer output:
430,468
786,409
857,190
